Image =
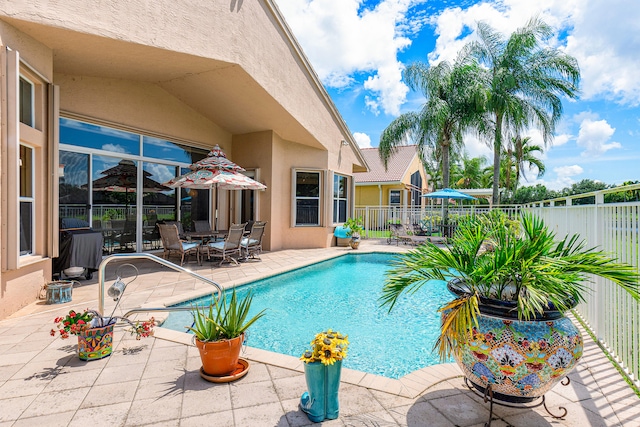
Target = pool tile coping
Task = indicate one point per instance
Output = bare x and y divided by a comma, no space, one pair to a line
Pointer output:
410,386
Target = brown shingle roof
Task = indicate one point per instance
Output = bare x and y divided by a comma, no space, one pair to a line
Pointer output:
396,169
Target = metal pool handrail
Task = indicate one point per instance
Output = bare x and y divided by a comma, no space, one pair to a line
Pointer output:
150,257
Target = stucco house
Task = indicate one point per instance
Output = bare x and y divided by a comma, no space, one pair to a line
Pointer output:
87,87
401,184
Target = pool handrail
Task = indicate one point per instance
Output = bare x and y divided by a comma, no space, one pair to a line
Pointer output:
151,257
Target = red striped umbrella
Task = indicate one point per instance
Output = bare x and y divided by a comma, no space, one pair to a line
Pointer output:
215,171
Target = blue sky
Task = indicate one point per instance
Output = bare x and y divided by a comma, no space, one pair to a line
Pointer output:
360,47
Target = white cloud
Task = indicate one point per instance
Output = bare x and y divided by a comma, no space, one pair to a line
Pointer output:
562,139
564,178
594,137
455,27
476,147
341,40
363,140
600,35
604,40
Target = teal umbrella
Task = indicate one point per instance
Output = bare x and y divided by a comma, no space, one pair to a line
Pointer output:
449,193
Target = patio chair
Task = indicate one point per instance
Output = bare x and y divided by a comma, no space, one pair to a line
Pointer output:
418,230
171,242
410,237
201,226
252,244
228,247
179,226
398,234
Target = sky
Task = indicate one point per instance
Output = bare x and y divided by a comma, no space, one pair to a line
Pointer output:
359,49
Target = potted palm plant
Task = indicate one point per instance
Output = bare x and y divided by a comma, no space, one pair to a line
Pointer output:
219,330
354,230
512,284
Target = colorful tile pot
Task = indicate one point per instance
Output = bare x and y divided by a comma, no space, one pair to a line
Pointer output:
520,360
95,343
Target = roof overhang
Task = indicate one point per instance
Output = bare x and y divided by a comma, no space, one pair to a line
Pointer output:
222,92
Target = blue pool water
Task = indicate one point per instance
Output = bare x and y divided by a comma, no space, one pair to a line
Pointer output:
342,294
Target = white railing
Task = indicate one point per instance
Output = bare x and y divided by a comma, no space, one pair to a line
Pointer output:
376,219
610,312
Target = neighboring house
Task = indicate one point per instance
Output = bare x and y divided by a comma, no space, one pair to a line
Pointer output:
87,86
401,184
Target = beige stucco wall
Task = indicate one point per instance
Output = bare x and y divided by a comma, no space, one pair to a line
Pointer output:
19,287
142,106
279,158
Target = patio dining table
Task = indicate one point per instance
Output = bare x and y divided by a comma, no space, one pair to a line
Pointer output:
205,236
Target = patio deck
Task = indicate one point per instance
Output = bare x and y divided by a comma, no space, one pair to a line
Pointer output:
156,381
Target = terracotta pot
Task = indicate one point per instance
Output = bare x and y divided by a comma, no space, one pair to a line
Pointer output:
219,358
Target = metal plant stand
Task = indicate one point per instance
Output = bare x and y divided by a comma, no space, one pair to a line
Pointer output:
488,397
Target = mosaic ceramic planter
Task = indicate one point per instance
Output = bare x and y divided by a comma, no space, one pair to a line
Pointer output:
520,360
96,343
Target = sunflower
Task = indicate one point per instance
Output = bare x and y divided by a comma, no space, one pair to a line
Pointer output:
327,347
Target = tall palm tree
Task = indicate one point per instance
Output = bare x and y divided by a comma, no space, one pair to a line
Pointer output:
525,82
453,105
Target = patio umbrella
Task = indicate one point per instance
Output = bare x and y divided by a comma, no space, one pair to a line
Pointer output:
215,171
449,193
446,194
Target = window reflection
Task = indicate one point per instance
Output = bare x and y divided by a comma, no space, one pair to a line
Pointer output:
166,150
88,135
73,187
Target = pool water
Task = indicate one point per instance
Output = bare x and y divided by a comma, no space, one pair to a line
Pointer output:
343,294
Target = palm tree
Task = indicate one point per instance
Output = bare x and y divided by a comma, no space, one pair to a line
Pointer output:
524,151
471,172
525,81
453,105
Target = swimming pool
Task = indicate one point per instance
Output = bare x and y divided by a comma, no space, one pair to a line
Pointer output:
342,294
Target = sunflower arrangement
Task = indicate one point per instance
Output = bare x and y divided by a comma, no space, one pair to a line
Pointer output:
327,347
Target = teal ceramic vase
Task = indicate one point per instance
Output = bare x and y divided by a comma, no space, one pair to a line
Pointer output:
320,401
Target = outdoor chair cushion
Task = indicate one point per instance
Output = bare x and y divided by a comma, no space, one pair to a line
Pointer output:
246,241
189,245
221,245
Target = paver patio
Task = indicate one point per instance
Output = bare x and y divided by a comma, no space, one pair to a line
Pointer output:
156,381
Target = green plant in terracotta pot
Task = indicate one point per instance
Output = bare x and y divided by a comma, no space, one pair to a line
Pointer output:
355,229
512,283
219,330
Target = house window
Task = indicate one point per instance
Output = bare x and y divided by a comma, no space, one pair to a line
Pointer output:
27,200
26,102
394,197
340,199
416,189
307,198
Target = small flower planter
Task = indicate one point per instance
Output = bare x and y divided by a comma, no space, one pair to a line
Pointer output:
95,343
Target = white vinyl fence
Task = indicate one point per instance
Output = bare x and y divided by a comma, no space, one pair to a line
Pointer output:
611,314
